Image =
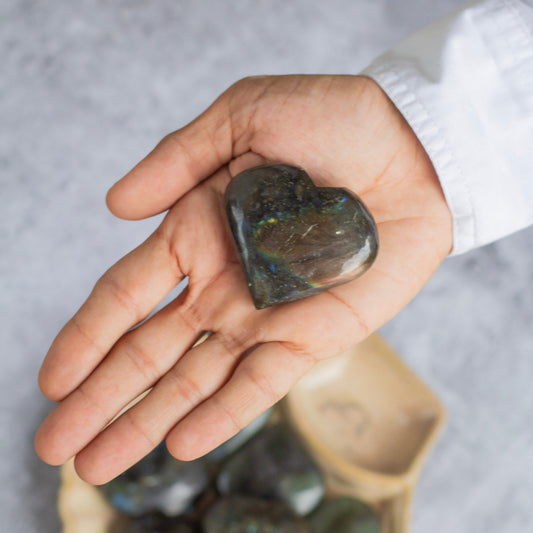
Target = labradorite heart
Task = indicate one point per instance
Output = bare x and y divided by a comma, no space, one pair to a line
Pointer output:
296,239
157,483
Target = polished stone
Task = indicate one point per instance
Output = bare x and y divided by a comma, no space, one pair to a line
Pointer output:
295,239
344,515
251,515
150,523
274,465
244,435
158,483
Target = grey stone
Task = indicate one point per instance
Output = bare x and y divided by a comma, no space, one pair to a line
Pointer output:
295,239
274,465
246,515
157,483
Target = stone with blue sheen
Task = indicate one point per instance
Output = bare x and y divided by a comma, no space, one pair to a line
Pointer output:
296,239
238,514
274,465
158,483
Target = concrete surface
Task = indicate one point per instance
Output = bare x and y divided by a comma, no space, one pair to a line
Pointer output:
88,87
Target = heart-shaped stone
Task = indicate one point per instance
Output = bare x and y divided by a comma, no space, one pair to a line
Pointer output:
296,239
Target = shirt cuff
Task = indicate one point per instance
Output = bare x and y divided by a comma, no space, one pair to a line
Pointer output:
465,86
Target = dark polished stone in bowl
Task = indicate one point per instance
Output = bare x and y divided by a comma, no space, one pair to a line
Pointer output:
151,523
295,239
274,465
246,515
159,482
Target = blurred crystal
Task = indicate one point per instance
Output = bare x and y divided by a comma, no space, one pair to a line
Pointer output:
274,465
159,482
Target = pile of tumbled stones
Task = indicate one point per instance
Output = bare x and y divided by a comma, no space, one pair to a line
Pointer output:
262,481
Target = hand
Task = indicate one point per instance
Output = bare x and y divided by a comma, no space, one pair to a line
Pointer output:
346,133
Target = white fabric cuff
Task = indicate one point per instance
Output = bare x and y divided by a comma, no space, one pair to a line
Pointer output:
465,85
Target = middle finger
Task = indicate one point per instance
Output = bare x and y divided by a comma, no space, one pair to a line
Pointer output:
195,377
135,363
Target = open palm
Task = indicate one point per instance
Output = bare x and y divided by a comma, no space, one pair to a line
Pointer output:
346,133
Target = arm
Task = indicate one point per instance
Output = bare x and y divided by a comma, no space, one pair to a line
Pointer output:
346,132
465,85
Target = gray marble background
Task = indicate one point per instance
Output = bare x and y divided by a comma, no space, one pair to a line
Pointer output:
88,87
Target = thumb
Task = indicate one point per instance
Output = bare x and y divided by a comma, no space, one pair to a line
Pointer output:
180,161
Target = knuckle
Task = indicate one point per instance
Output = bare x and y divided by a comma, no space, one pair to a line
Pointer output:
89,339
233,345
142,360
138,428
234,420
260,382
191,315
186,387
93,402
172,139
360,323
120,294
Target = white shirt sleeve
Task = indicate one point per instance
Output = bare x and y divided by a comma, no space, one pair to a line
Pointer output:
465,85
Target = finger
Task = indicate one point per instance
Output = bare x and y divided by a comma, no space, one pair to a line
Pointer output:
345,315
134,364
259,381
317,327
200,373
136,432
178,163
121,298
187,156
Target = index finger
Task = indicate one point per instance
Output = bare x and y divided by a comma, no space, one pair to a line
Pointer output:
121,298
179,162
259,381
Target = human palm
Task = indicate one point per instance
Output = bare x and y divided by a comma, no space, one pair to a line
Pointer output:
346,133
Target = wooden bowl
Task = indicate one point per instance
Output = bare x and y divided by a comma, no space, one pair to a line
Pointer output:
369,422
366,418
